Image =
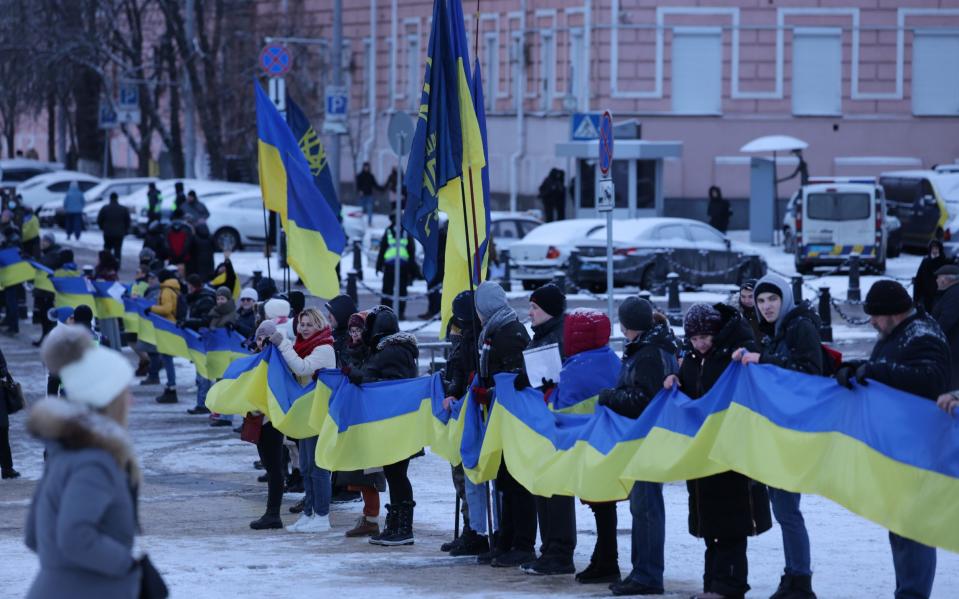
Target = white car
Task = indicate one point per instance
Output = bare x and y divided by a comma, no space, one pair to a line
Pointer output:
14,171
546,249
237,219
205,190
96,198
51,188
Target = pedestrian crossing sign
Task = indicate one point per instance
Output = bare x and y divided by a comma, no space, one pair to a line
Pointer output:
584,126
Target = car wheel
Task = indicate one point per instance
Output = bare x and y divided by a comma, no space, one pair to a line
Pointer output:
227,239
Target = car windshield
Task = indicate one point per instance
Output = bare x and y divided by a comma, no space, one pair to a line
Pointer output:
837,206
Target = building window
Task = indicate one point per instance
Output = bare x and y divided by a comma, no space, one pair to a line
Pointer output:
697,62
577,85
817,71
490,69
547,69
517,56
935,73
369,74
414,75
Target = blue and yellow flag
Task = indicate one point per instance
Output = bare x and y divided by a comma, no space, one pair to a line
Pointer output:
73,292
13,268
315,238
108,297
41,277
315,153
436,156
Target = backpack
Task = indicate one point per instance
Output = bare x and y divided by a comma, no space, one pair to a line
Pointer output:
182,307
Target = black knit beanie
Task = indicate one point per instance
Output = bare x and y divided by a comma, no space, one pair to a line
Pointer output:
887,297
550,299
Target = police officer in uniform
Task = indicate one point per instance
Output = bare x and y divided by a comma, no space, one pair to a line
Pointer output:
390,246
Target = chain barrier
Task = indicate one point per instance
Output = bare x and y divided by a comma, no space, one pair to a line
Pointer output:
676,267
847,318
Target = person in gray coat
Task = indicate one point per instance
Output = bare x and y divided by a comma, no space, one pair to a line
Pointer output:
83,518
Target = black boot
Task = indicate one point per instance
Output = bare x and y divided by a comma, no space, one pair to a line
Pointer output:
267,521
800,587
143,368
10,473
390,526
599,572
168,396
294,482
471,544
403,532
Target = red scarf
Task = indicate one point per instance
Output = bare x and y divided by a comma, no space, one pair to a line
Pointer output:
305,347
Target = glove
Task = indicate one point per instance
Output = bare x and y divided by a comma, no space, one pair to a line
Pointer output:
521,381
604,397
277,338
844,376
355,377
266,329
481,395
861,374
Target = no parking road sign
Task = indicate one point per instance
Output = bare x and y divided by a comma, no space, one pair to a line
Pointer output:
275,59
605,142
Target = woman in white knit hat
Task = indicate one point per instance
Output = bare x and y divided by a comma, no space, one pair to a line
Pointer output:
82,520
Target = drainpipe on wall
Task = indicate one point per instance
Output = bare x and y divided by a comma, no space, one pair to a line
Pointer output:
516,156
371,95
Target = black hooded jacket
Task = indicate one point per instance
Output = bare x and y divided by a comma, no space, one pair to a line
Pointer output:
727,504
946,313
393,354
341,307
914,357
796,345
647,361
550,331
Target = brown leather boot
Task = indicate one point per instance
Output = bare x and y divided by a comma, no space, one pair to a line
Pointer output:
364,528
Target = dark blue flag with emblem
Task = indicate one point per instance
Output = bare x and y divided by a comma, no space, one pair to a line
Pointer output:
436,156
315,153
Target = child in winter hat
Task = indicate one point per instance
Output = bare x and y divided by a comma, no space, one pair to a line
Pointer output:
90,374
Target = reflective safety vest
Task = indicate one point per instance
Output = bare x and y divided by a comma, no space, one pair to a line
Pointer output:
30,229
392,246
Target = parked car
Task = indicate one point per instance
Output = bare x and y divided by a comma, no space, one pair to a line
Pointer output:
546,249
14,171
96,198
927,204
645,250
50,188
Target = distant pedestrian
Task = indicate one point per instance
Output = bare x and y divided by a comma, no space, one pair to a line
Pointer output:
114,222
924,290
83,517
73,204
155,240
946,313
246,313
6,455
154,203
194,208
552,192
202,252
365,186
11,293
392,245
718,209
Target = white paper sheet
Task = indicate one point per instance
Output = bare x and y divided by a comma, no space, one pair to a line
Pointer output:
543,363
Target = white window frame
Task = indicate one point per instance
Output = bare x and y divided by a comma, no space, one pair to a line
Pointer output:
683,31
833,34
578,85
490,62
547,68
414,74
369,74
951,105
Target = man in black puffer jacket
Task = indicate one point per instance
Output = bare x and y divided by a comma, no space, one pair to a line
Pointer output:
726,508
648,358
502,341
794,345
200,300
946,312
911,355
393,356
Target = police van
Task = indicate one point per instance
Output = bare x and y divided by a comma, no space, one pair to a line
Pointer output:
837,217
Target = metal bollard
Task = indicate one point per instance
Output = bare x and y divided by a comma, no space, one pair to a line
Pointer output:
507,282
797,289
358,259
351,287
825,314
673,305
646,295
854,294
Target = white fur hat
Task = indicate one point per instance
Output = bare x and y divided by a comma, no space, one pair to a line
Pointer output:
91,375
276,308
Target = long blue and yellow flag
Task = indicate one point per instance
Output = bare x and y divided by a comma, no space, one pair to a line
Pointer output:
790,430
14,269
315,238
315,153
73,292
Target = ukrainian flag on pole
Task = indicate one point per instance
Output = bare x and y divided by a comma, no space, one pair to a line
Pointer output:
447,149
315,239
312,147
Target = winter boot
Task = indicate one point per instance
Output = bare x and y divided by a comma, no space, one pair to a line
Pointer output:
10,473
801,588
403,532
471,543
486,558
513,558
294,482
785,587
599,572
631,587
168,396
451,545
143,368
297,507
391,515
365,527
267,521
150,380
549,565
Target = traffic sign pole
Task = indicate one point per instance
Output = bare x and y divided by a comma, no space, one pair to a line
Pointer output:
606,200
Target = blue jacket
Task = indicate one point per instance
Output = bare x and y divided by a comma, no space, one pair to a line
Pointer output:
82,519
73,202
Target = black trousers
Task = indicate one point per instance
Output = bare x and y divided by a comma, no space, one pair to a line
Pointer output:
518,518
388,281
114,245
399,482
6,456
557,525
270,448
42,302
607,548
726,567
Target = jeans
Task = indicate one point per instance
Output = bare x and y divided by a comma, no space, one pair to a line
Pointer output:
795,538
649,534
317,482
915,566
12,297
202,388
156,360
367,203
476,501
